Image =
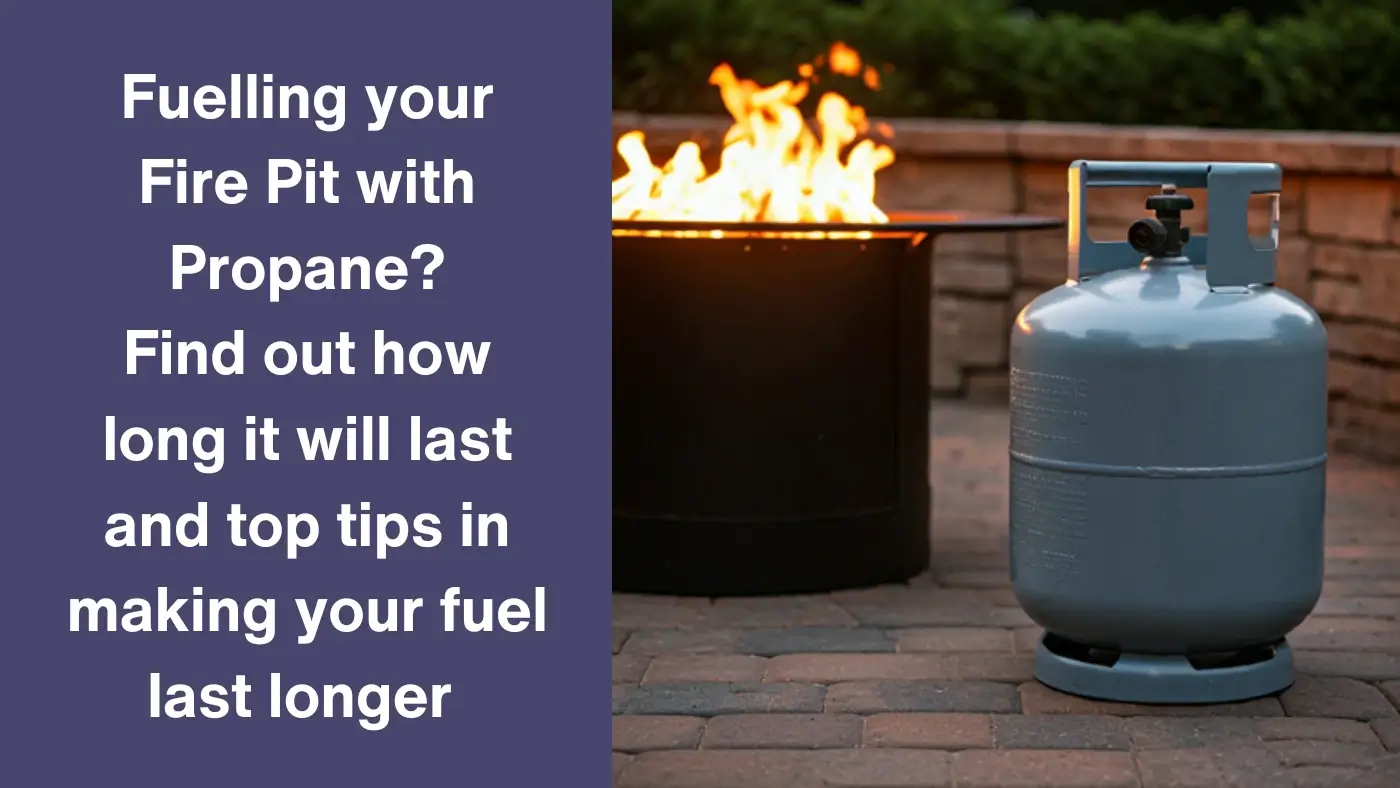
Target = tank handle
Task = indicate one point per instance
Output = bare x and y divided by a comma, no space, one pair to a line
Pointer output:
1236,261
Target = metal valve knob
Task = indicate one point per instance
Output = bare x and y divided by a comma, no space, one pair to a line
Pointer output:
1163,236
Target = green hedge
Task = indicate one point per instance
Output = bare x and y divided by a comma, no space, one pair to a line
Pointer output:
1337,67
1174,9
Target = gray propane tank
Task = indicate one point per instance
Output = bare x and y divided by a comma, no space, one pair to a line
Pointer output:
1168,449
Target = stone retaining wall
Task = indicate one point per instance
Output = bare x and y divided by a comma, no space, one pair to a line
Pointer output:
1339,242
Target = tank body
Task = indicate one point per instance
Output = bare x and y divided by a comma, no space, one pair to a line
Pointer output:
1168,461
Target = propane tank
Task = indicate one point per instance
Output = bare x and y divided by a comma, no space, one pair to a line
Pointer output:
1168,449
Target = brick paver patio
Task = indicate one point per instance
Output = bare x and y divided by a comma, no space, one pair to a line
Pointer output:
930,684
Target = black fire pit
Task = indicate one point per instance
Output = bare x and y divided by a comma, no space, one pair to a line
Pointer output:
770,403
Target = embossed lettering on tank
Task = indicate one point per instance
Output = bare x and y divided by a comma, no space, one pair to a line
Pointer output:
1048,410
1049,521
1049,509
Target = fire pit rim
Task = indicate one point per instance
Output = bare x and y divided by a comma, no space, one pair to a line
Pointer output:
900,222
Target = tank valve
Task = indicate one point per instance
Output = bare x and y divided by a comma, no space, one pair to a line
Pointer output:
1163,236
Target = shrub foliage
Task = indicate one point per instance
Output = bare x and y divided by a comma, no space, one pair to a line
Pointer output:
1335,66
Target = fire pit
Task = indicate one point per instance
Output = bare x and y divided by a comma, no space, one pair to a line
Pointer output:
771,357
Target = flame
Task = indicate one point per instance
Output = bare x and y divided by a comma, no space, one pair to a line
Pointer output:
844,60
773,167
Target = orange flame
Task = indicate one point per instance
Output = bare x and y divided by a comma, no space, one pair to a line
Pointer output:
773,167
844,60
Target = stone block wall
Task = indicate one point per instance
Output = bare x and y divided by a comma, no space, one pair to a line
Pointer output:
1339,245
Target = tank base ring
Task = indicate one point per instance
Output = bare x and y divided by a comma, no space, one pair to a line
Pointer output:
1164,679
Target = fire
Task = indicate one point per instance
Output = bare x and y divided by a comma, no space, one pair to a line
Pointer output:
773,167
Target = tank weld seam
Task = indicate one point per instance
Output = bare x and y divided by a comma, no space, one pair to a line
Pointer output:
1170,472
756,519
